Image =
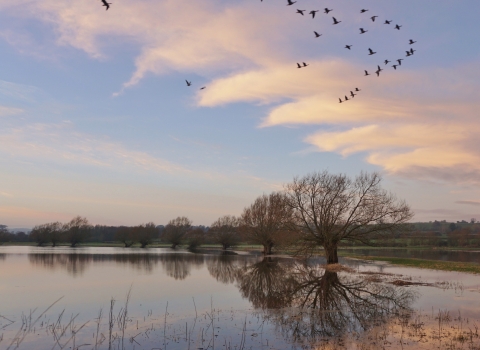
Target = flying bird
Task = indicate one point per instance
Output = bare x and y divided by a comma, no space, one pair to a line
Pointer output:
378,70
373,18
346,98
366,73
363,31
340,100
412,51
290,2
352,94
298,65
313,13
348,47
317,35
327,10
301,12
357,89
203,87
304,64
408,53
106,4
412,42
371,52
387,62
400,61
397,27
363,11
388,22
395,66
189,83
335,21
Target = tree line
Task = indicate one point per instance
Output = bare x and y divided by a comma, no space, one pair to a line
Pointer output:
319,210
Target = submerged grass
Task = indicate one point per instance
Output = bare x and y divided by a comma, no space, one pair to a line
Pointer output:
425,264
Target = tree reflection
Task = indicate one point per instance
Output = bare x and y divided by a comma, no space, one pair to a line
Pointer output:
224,267
179,266
307,303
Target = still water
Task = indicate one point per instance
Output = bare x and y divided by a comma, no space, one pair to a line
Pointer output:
115,298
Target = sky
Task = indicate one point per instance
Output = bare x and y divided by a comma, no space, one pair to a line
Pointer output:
96,118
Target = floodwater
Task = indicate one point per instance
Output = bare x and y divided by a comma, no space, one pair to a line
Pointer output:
115,298
429,254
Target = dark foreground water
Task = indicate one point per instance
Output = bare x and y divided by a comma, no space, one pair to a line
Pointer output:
66,298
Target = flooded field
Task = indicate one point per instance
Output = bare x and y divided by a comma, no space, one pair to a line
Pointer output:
428,254
111,298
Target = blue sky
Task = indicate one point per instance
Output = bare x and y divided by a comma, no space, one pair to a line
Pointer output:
96,119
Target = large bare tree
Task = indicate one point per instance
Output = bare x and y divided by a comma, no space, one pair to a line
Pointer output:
224,231
145,233
331,208
265,221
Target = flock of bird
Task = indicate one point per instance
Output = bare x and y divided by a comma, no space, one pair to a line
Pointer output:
326,11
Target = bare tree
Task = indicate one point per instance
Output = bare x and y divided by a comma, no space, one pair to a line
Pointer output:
265,221
125,235
224,231
77,230
145,233
195,237
330,208
56,232
176,230
40,234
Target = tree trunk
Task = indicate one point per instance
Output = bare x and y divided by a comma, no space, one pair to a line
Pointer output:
331,253
267,248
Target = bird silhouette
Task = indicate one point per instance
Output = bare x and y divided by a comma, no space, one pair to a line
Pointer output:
397,27
363,31
317,35
327,10
363,11
352,94
335,21
348,47
304,64
412,51
313,13
395,66
387,62
366,73
373,18
346,98
290,2
408,53
340,100
378,71
301,12
412,42
298,65
387,22
400,61
189,83
203,87
371,52
357,89
106,4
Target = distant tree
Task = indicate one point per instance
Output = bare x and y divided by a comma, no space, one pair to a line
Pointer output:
225,231
176,230
145,233
4,234
40,234
195,237
266,221
330,208
125,235
452,226
77,231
